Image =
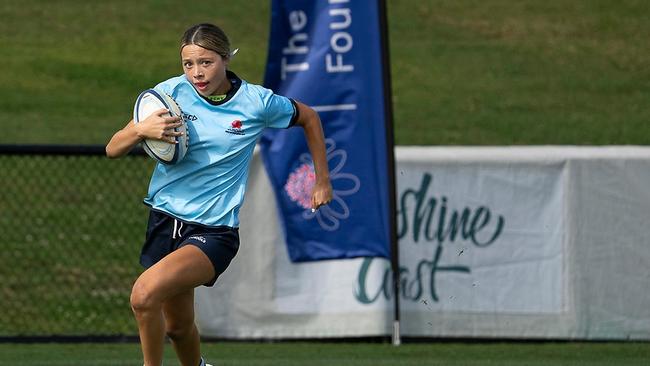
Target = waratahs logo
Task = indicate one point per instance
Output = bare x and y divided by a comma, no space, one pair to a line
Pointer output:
301,182
236,127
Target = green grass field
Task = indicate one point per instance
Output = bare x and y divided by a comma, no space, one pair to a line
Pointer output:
355,354
493,72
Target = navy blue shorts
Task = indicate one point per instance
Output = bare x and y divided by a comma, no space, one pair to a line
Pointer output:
166,234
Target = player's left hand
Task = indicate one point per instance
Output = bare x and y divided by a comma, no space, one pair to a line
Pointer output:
321,194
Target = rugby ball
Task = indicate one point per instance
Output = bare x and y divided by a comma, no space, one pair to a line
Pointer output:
148,102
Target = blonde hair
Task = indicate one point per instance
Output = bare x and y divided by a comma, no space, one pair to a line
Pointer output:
208,36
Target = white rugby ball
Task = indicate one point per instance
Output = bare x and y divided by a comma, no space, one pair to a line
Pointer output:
148,102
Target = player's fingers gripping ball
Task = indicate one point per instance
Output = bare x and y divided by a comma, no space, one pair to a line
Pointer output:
150,101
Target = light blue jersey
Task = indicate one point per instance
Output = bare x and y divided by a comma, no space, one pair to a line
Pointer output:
207,186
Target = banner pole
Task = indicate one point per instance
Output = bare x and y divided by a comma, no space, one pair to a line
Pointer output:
390,150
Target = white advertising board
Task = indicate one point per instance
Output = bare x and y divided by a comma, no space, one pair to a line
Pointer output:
494,242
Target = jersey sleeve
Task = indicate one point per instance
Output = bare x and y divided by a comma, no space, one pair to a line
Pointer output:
168,85
163,87
279,111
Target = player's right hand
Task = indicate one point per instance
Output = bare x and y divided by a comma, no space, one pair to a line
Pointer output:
159,126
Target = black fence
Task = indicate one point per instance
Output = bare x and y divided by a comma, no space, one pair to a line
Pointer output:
71,226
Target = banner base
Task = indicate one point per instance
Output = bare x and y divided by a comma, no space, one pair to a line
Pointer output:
396,335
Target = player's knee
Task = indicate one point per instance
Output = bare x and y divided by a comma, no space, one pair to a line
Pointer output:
179,330
142,299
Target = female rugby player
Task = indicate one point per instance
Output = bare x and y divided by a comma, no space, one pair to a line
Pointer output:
192,234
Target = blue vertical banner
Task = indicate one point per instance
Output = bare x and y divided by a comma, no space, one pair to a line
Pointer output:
327,54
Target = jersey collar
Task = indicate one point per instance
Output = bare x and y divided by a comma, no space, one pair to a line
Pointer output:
235,83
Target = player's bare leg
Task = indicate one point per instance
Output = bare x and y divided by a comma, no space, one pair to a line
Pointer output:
180,328
177,273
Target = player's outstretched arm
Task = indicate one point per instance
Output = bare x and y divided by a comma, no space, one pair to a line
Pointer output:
308,119
155,126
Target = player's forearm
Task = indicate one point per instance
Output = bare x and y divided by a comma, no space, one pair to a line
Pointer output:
316,143
123,141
